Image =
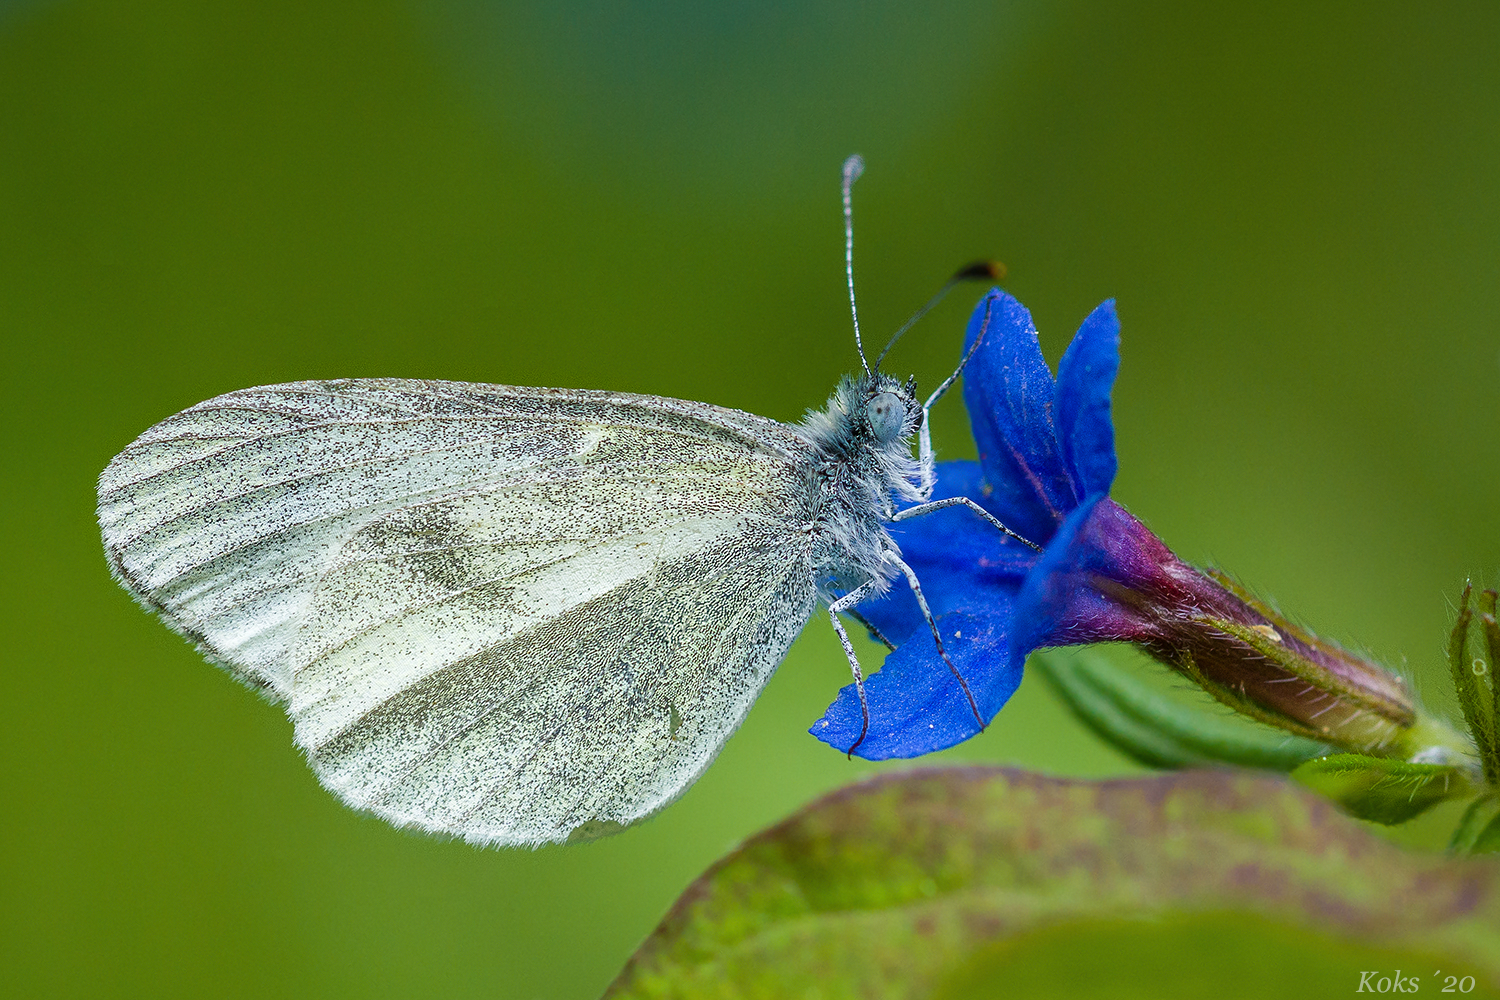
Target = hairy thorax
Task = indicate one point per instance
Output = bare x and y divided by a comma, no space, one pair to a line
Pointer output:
863,443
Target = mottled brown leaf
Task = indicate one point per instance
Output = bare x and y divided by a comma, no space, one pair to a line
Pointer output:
903,886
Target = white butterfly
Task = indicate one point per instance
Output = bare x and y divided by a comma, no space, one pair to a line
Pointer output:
513,615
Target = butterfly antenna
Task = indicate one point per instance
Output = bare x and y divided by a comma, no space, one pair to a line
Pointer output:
937,394
853,167
980,270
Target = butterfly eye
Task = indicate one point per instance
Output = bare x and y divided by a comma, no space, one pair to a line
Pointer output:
887,415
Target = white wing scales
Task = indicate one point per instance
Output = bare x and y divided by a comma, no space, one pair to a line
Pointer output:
496,743
506,614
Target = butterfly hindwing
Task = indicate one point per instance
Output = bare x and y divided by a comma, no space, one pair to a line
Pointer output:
600,681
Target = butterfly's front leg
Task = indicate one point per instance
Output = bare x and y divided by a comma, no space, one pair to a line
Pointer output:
925,460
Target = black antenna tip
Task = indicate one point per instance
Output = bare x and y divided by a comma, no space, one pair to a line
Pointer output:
981,270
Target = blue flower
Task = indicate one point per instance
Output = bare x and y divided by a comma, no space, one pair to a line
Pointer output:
1046,461
1046,464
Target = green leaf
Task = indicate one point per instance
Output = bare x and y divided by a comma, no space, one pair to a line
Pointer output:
965,881
1381,789
1479,831
1164,957
1159,731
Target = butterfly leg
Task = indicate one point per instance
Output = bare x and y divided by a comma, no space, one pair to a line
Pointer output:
869,627
930,506
924,433
916,588
836,608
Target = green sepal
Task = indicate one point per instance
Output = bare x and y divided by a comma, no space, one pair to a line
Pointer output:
1381,789
1160,731
1475,699
1479,831
1491,630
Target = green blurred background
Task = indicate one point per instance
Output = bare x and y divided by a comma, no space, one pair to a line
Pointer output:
1297,209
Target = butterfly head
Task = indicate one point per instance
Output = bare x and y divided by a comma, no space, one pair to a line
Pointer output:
890,411
867,430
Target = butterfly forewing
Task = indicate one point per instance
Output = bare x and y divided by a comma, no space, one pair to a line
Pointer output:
502,613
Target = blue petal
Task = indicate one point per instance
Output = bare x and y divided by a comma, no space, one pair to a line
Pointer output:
1042,607
959,558
916,704
1105,578
1100,550
1009,390
1085,378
